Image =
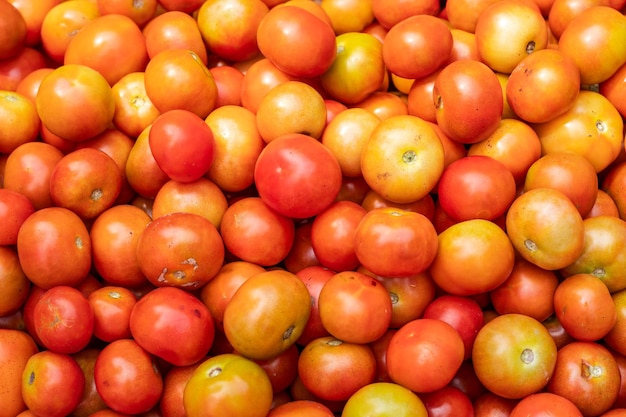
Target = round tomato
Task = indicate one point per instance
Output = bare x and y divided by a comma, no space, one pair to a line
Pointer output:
514,356
297,176
544,404
384,399
182,145
111,308
16,347
169,313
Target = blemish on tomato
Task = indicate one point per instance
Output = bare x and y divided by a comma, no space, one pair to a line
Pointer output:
78,242
215,372
31,378
96,194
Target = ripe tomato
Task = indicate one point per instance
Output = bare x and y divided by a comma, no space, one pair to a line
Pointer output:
54,248
127,378
14,284
111,44
615,337
66,118
169,313
462,313
296,41
508,31
476,187
16,347
267,314
403,159
358,69
14,30
446,402
52,384
180,249
395,243
584,307
142,171
22,124
546,228
314,278
111,308
91,401
133,109
462,85
64,319
227,385
171,402
333,370
424,355
474,257
182,145
354,307
587,374
174,30
229,27
250,220
417,46
297,176
514,356
545,404
14,209
298,407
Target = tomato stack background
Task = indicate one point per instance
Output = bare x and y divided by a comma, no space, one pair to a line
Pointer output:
280,208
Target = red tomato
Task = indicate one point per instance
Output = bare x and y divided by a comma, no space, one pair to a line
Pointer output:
354,307
52,384
182,144
297,176
314,278
111,307
64,319
14,209
424,355
545,404
463,85
127,377
448,402
476,187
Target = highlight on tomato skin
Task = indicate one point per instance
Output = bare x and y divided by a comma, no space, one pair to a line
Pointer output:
271,208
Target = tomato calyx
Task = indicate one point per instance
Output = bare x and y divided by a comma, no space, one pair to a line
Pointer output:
527,356
589,371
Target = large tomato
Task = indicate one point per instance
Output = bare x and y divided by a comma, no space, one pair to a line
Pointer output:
16,347
384,399
297,176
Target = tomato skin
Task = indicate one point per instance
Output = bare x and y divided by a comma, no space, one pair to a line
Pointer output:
384,399
182,144
227,385
463,85
16,347
169,313
544,404
297,176
64,320
408,363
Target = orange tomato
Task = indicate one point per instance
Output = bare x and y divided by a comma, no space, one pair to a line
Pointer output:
174,30
16,348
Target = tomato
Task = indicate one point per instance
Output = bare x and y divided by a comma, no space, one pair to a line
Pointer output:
14,284
333,370
228,384
384,399
297,407
514,356
314,278
64,319
395,243
296,41
424,355
111,44
462,313
111,308
127,378
354,307
358,69
615,337
52,383
88,89
54,248
476,187
448,401
261,76
171,402
462,85
250,220
22,124
545,404
16,347
174,30
90,401
475,256
417,46
86,181
14,31
594,40
14,209
490,404
574,299
267,314
133,109
287,186
546,228
229,27
180,249
167,314
403,159
587,374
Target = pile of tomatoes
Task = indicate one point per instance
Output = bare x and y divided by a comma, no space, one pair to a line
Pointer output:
278,208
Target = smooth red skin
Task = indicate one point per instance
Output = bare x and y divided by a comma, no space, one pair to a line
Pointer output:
476,187
462,313
112,315
545,404
314,278
282,369
297,176
164,317
14,209
447,402
182,145
64,320
464,85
